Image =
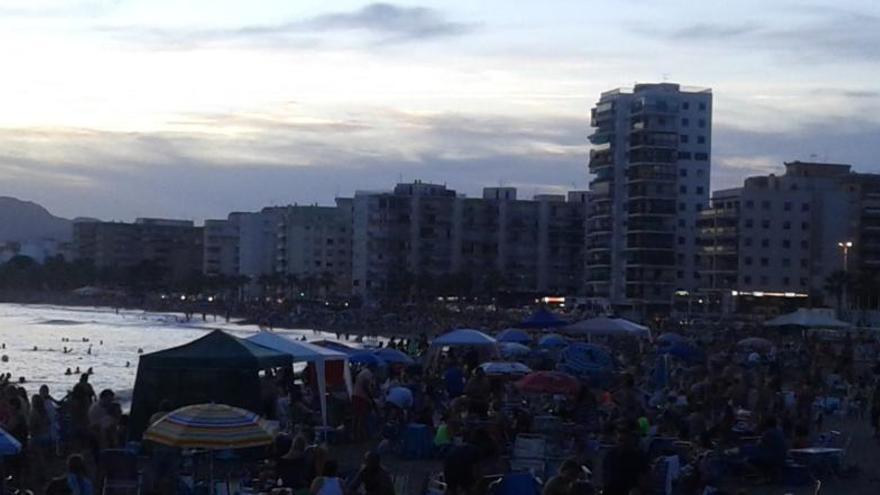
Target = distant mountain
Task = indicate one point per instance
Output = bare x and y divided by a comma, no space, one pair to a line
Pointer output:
26,220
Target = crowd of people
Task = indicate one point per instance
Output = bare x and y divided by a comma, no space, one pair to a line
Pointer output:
80,424
729,417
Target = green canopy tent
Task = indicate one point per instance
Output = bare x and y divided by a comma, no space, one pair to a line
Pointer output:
217,368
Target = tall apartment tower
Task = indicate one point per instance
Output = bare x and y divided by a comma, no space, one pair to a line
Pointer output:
650,161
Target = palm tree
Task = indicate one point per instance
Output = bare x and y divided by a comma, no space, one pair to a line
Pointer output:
836,285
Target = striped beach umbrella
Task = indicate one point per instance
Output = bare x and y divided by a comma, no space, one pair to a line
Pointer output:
210,426
8,444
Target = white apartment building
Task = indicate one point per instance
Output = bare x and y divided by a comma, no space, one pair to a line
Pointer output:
781,234
314,244
651,161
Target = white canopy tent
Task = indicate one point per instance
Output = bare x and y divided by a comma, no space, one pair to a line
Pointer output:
808,318
309,353
602,325
463,337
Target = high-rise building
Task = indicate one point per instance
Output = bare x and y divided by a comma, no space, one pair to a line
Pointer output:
426,235
784,235
314,246
650,160
172,247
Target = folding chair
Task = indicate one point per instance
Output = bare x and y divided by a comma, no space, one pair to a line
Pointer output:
120,472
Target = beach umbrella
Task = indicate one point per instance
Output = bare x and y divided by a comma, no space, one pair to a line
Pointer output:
670,338
755,344
586,357
366,358
604,326
393,356
552,341
549,382
499,368
513,350
513,335
8,444
684,351
807,318
464,337
210,426
542,319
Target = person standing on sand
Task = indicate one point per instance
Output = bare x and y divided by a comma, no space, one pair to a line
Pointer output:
362,402
875,410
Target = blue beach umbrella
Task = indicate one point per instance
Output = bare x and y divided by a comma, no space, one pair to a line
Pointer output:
513,350
552,341
542,319
8,444
393,356
513,335
367,359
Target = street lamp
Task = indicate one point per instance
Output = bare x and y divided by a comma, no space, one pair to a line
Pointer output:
845,245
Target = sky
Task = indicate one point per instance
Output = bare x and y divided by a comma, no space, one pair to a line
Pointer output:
194,108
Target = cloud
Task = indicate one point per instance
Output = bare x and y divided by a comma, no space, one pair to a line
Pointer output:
829,36
56,8
739,152
392,22
218,163
384,23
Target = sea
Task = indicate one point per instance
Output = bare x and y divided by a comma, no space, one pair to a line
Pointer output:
33,339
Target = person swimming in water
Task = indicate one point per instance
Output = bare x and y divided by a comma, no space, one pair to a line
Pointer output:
68,372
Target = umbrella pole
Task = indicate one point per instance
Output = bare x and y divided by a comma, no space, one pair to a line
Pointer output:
211,473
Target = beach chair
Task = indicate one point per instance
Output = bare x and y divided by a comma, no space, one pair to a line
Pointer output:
120,472
529,454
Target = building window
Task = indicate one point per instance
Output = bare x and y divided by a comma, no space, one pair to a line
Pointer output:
748,261
765,243
681,241
750,204
682,189
749,223
803,282
786,206
682,207
805,225
805,206
786,225
701,139
702,157
765,262
684,155
698,207
685,105
747,280
765,224
786,281
679,274
765,205
702,106
701,123
786,244
685,122
699,172
786,262
747,242
805,263
681,222
764,280
684,138
682,172
661,121
805,245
